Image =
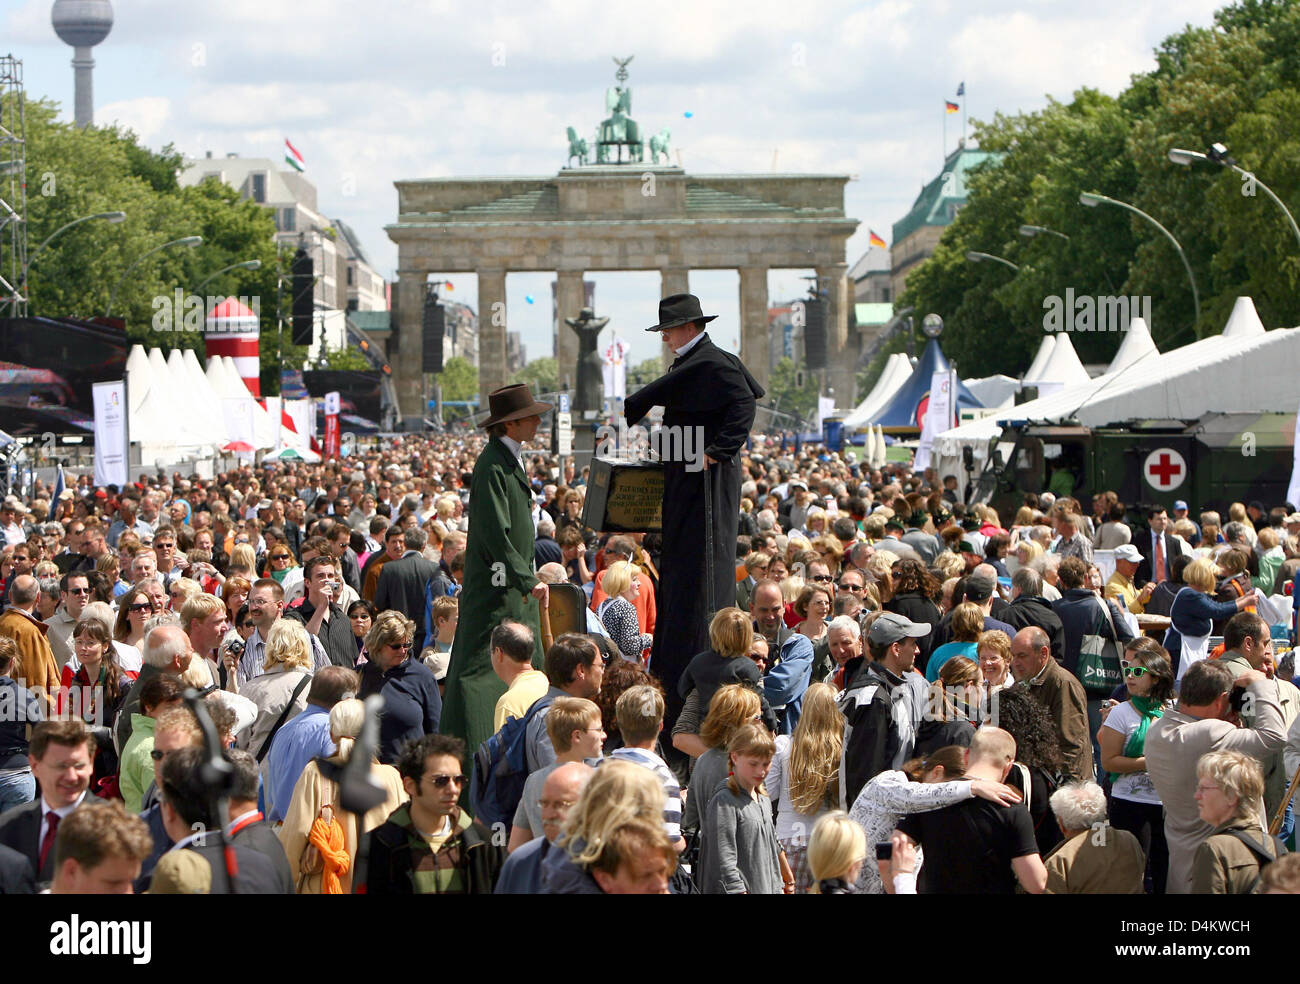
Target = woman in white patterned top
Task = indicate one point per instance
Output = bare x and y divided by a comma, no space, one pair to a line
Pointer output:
617,612
920,786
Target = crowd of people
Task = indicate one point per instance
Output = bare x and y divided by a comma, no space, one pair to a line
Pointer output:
906,694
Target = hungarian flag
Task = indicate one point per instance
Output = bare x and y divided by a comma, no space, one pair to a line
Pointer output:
874,239
294,159
951,107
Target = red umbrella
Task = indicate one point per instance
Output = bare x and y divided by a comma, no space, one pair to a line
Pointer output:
237,446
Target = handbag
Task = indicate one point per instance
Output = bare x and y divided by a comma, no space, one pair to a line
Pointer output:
1099,668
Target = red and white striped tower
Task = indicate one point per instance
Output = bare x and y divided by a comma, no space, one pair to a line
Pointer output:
232,329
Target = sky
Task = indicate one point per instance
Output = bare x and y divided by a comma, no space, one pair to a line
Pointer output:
401,89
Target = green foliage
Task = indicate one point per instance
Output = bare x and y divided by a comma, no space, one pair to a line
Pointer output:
541,375
645,371
459,379
1239,84
784,394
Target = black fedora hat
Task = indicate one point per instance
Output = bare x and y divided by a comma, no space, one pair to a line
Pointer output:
678,309
513,403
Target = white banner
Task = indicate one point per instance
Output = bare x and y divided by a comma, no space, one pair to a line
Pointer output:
938,417
303,415
825,407
614,360
110,433
331,402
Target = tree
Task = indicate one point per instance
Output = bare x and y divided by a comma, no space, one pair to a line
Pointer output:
459,379
784,392
541,375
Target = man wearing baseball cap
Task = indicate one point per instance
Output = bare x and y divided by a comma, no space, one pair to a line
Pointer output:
1180,512
1120,588
882,703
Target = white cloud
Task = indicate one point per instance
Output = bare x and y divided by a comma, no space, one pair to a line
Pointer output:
148,116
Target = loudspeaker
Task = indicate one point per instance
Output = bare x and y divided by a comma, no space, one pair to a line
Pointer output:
814,334
303,276
434,323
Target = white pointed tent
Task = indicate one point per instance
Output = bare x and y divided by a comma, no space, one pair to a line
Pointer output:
1061,370
897,371
201,422
203,395
1137,345
1044,353
1219,374
264,429
994,392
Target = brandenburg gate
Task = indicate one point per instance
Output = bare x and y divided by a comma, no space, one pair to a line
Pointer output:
601,217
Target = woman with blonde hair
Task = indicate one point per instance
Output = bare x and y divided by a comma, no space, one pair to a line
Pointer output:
1229,791
181,591
836,852
243,562
320,838
732,707
283,683
617,613
1027,551
1193,614
993,653
805,775
739,853
617,795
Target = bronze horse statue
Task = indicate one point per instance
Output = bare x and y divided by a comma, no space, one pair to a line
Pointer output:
577,148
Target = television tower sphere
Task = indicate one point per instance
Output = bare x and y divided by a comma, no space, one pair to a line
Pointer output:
82,24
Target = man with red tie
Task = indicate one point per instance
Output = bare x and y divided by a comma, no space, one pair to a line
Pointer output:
1158,548
62,756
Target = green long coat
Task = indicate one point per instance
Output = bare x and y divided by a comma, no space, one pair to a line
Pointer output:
498,578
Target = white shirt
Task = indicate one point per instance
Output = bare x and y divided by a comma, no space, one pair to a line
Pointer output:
689,345
515,448
61,813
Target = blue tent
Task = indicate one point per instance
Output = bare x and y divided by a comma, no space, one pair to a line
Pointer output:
902,412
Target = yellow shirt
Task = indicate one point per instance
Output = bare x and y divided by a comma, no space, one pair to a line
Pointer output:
1120,586
523,693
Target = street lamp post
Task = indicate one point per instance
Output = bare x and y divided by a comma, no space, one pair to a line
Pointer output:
1030,231
245,265
975,256
1219,155
113,217
1092,199
190,241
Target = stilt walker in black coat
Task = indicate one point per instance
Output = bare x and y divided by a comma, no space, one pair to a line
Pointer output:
708,398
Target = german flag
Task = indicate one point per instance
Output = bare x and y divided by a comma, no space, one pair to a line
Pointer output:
951,107
875,240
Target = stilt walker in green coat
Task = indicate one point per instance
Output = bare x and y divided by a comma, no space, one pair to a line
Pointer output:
499,579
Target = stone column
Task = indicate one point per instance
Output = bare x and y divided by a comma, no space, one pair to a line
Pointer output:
754,345
408,355
491,333
832,278
569,298
675,280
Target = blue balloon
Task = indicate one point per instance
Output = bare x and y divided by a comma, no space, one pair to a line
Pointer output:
528,298
688,114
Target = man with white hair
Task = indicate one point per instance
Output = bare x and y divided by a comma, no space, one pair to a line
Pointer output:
1094,858
545,549
844,639
167,649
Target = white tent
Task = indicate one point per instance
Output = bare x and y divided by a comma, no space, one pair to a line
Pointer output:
169,432
1044,353
206,397
994,392
897,371
201,420
147,407
1137,345
1219,374
264,429
1061,370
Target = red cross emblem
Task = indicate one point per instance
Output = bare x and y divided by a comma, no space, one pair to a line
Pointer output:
1165,469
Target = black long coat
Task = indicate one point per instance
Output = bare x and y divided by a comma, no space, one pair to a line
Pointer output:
712,390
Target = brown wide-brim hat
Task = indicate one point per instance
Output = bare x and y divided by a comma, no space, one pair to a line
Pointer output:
678,309
513,403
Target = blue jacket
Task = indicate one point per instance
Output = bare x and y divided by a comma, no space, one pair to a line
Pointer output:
1193,613
785,683
522,873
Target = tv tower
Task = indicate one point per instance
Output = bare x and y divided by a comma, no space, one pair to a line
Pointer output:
82,24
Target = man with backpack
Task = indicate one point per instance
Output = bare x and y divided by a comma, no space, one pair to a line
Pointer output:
521,746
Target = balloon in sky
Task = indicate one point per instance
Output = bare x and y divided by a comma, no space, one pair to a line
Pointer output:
688,114
528,298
